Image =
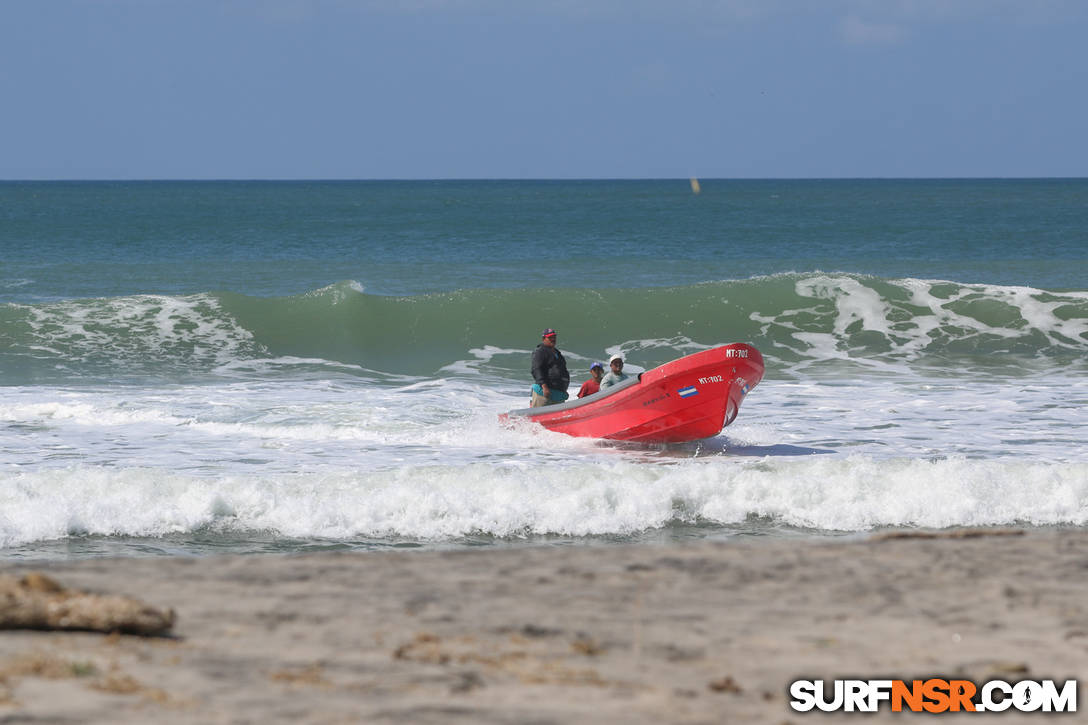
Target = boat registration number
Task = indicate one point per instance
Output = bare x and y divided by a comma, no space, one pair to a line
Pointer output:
710,379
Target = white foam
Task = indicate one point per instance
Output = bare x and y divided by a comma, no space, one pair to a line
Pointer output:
516,498
482,358
350,453
130,332
84,413
286,426
853,302
338,292
257,367
910,329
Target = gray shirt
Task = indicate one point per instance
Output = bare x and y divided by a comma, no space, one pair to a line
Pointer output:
612,378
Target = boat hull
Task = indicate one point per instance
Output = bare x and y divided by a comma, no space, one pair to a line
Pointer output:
683,400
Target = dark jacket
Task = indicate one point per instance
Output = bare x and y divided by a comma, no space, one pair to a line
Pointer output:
550,367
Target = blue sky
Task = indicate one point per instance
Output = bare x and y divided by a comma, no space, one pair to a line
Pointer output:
291,89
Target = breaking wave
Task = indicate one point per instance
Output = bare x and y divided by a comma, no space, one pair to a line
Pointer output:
796,320
854,493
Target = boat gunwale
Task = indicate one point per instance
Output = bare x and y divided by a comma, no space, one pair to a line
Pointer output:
580,402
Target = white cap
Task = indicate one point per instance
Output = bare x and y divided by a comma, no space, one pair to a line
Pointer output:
614,358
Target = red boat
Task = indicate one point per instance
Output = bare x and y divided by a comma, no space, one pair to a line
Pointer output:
684,400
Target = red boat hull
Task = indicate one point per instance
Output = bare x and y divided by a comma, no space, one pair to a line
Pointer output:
684,400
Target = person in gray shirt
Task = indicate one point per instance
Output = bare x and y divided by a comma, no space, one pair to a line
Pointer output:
615,375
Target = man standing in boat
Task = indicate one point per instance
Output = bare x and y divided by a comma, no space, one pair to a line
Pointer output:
615,374
550,376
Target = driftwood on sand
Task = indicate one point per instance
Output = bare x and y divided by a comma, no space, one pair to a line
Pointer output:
34,601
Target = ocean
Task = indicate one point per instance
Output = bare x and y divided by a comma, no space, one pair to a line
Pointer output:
242,367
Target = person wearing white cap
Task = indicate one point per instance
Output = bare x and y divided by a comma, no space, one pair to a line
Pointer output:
615,374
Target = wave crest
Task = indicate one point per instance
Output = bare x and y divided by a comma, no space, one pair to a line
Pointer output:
796,320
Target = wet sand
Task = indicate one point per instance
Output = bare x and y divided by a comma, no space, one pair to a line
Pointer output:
700,633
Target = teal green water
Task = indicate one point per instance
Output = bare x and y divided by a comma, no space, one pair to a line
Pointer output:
937,325
408,276
100,239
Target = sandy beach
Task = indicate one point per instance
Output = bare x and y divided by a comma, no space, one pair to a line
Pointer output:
708,632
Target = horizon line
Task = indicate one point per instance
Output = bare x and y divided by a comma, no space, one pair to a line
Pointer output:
530,179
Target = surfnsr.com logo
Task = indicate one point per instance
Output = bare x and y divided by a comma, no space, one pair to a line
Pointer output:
934,695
